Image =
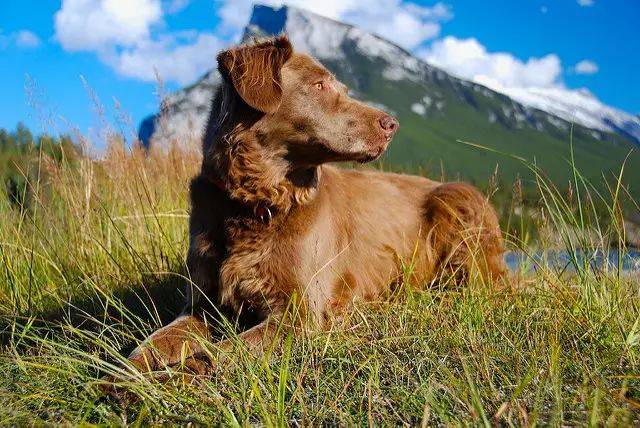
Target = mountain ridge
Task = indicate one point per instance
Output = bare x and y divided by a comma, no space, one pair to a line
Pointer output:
435,108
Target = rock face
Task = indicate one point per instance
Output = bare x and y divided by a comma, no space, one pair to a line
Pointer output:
183,114
435,109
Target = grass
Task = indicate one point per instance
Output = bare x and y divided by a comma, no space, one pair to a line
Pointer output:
97,262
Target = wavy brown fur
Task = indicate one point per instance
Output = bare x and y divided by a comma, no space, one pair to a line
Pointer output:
254,174
254,71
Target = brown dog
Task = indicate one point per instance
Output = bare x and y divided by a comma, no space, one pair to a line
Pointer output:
270,219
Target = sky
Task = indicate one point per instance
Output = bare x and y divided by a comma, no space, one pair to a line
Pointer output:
78,64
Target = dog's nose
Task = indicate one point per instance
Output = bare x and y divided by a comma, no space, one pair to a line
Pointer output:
389,124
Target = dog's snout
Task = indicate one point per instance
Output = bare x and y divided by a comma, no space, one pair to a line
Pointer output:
389,123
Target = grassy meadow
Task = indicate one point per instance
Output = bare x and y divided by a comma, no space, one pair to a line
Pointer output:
92,260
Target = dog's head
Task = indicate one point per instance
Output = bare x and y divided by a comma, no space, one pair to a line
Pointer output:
301,107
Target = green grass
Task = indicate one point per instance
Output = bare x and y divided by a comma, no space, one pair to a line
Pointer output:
97,262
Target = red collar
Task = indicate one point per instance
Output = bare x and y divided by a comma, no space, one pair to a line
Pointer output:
261,211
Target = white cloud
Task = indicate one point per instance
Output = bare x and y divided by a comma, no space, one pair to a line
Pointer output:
586,67
88,25
469,59
404,23
127,35
172,59
585,3
439,11
27,39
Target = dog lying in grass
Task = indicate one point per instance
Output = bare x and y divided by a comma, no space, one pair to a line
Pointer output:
271,219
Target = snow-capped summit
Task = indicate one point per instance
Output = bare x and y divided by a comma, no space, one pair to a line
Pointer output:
326,39
578,106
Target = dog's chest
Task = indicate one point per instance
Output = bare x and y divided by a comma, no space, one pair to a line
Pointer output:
258,270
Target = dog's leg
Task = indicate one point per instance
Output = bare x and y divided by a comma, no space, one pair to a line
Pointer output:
464,233
257,339
180,344
183,338
171,344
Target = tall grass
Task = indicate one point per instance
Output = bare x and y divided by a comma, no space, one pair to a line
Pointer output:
95,225
97,262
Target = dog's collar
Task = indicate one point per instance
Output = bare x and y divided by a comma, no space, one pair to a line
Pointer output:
261,211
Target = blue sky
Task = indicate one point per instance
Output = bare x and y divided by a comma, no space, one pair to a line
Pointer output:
118,45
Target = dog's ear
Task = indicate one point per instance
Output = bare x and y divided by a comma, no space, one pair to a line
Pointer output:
255,71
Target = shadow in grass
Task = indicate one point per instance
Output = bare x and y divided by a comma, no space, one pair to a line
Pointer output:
155,303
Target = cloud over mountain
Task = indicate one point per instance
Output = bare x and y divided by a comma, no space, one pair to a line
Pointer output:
127,35
468,58
536,82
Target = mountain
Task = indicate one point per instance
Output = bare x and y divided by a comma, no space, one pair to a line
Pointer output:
435,109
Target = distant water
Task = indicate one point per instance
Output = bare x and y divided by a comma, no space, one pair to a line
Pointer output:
562,259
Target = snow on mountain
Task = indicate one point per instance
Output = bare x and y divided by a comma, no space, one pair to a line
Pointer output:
577,106
325,38
314,34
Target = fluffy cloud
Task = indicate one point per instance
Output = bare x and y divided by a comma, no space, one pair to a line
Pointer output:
405,23
469,59
121,33
536,82
585,67
89,25
180,61
128,34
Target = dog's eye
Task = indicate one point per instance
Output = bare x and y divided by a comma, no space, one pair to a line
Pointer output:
319,86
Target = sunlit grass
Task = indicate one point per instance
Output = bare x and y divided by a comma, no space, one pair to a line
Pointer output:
97,262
